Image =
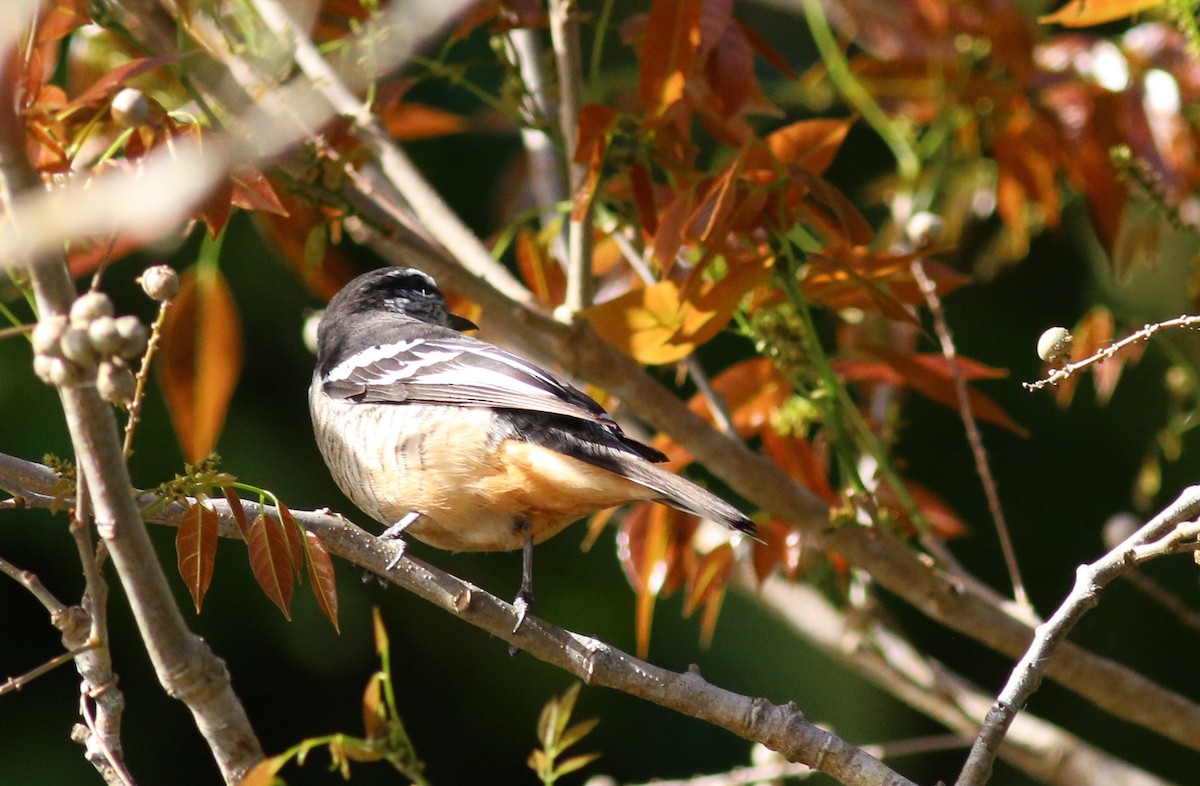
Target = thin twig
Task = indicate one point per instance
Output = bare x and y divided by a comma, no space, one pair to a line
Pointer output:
30,581
135,406
982,467
861,640
1156,538
21,680
1060,374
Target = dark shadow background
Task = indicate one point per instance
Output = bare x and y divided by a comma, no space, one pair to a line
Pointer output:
471,709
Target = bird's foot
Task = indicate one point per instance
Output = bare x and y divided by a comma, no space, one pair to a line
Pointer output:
395,533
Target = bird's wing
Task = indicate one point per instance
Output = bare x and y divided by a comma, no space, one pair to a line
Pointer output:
459,371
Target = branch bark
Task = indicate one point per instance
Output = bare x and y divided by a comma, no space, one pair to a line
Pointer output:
782,728
186,668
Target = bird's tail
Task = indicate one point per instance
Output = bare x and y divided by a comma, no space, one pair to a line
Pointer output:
683,494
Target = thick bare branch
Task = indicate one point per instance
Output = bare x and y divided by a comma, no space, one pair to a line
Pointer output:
780,727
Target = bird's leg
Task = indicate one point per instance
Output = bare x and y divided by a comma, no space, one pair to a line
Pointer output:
524,599
395,532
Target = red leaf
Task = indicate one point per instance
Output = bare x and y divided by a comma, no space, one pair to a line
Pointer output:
809,144
782,544
643,198
99,90
668,51
929,375
942,519
200,358
271,562
295,537
406,121
252,191
237,510
796,456
196,548
540,271
321,577
65,17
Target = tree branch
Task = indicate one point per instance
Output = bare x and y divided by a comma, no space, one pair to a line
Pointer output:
1042,750
1090,580
782,728
186,668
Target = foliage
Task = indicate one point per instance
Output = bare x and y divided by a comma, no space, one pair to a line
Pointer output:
797,314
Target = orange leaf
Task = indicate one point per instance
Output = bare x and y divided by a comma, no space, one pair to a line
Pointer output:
263,773
649,546
321,577
809,144
751,390
595,122
542,273
407,121
196,547
642,322
200,357
1084,13
942,519
781,544
271,562
709,577
928,374
796,456
668,52
659,324
252,191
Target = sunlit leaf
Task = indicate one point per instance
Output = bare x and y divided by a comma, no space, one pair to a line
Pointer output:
263,773
575,763
322,578
252,191
374,708
406,121
196,549
1085,13
199,359
709,576
796,456
808,144
271,562
659,324
781,545
668,51
541,272
930,375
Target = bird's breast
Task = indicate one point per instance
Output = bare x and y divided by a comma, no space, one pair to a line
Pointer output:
474,493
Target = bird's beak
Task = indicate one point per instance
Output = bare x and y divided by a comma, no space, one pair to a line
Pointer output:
460,323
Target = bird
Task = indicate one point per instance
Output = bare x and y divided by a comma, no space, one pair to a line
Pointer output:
464,445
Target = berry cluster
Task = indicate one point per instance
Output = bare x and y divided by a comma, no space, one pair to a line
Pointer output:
90,345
